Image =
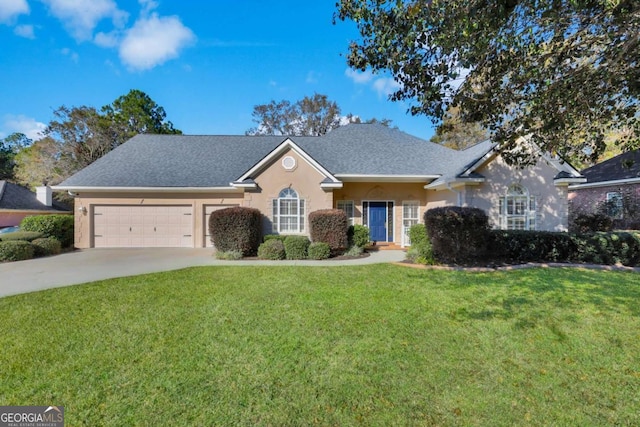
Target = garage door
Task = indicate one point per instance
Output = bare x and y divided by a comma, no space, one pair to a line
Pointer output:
142,226
205,221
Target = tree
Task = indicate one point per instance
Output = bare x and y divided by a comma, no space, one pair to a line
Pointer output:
456,134
9,147
78,136
567,72
136,113
310,116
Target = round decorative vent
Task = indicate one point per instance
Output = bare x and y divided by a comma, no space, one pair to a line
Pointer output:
288,163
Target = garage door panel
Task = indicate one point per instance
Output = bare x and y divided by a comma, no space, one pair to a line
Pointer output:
143,226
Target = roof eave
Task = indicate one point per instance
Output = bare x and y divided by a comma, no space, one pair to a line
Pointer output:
568,181
386,178
106,189
625,181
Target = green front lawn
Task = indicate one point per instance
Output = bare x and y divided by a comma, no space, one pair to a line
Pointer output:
370,345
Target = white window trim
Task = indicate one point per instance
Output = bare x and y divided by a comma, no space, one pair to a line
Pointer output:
619,203
342,204
300,218
406,241
529,216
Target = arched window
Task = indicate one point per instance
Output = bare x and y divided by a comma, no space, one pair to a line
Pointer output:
288,212
518,209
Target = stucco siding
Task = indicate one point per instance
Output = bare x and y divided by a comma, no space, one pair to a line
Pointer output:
551,200
10,218
303,178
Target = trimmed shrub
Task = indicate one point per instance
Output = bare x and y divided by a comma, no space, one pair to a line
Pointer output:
590,222
530,246
330,226
354,251
25,236
229,255
59,227
295,247
421,251
607,248
457,234
280,237
236,229
319,250
358,235
271,249
15,250
46,246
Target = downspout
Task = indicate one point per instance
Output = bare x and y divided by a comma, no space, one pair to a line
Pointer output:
458,193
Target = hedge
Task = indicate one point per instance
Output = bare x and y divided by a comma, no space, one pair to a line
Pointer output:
46,246
457,234
236,229
421,250
330,226
59,227
25,236
15,250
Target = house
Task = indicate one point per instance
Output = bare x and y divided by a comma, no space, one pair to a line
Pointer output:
613,187
158,190
17,202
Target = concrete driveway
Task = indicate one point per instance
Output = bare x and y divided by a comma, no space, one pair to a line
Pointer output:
89,265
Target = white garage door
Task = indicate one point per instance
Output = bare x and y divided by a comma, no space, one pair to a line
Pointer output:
205,221
142,226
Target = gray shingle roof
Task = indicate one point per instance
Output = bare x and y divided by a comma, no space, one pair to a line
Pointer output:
215,161
623,166
16,197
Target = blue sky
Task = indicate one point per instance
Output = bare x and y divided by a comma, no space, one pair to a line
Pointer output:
206,62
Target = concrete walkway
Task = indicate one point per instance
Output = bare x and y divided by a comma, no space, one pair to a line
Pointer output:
89,265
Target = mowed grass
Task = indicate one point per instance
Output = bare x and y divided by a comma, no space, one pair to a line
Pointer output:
369,345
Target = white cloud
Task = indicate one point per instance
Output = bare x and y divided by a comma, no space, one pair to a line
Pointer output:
81,16
359,77
154,40
312,77
385,86
110,39
71,54
10,9
23,124
25,31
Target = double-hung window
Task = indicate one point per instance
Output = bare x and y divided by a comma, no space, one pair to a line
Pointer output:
410,217
518,209
348,207
614,204
288,212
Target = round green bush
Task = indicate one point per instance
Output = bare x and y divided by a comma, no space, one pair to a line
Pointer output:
26,236
272,249
296,247
15,250
319,250
46,246
358,235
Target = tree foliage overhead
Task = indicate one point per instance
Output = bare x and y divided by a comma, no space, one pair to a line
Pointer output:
9,148
565,71
310,116
78,136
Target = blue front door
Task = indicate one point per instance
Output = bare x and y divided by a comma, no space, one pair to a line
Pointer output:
378,221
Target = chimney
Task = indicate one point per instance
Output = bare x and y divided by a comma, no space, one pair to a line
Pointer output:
44,195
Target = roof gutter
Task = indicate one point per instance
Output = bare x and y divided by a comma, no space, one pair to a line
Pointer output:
77,189
605,183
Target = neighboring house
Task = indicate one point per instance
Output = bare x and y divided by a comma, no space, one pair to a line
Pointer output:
17,202
612,187
158,190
